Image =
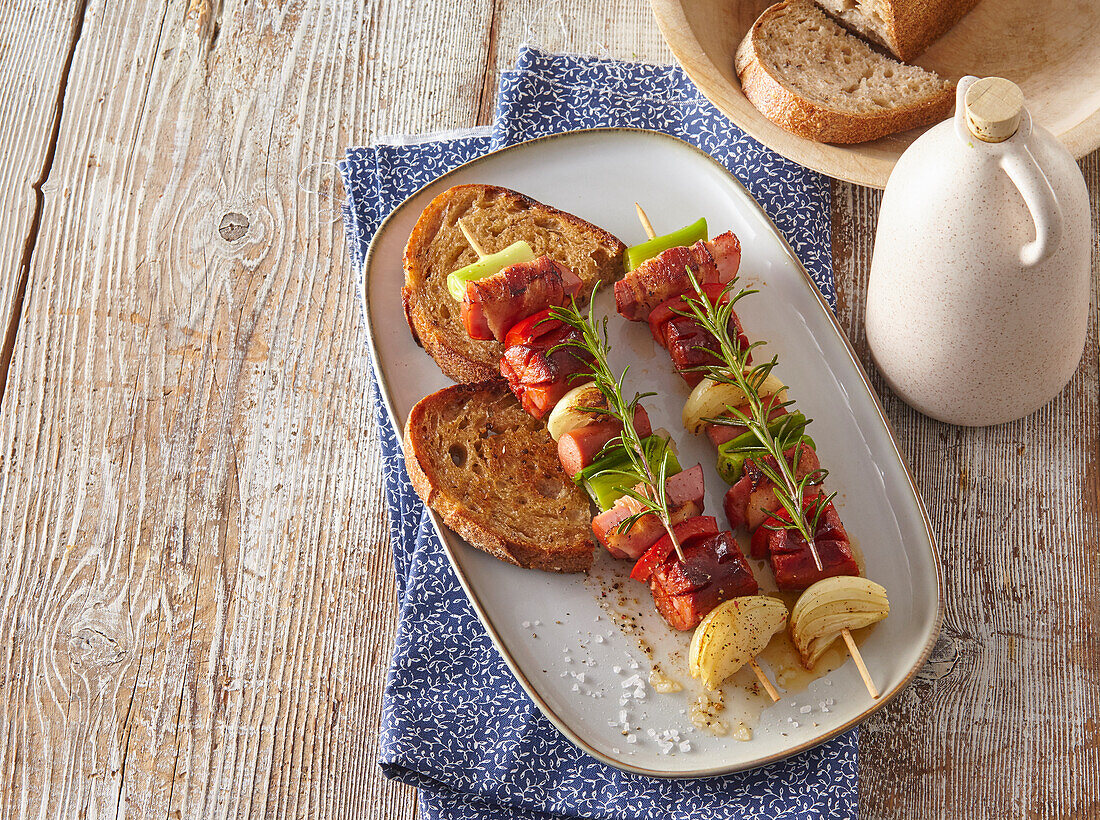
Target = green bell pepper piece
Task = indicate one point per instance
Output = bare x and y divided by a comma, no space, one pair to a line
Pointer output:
605,478
733,454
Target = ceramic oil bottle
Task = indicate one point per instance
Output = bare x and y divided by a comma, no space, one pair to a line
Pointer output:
979,291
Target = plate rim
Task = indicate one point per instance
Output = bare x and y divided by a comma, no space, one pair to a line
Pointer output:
446,535
1080,140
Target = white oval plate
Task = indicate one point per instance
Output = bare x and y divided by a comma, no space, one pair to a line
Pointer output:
551,627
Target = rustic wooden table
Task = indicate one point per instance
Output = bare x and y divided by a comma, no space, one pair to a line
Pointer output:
198,604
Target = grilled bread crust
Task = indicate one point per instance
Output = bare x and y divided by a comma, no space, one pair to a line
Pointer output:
906,27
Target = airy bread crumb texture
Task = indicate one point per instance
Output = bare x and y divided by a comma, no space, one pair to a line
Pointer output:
820,61
492,472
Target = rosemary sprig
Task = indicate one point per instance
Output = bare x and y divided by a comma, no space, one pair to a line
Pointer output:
593,341
735,370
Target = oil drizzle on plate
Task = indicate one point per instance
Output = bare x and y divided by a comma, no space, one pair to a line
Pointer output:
735,709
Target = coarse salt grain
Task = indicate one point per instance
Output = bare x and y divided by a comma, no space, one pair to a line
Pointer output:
632,738
616,669
806,709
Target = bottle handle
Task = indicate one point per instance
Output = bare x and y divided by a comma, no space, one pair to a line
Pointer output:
1019,163
1033,185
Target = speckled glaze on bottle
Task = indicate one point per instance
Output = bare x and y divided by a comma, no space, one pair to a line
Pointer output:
978,298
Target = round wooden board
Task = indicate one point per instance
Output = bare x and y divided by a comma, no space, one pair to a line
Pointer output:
1049,49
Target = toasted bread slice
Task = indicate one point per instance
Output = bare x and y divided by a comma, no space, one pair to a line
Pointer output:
497,217
807,74
492,472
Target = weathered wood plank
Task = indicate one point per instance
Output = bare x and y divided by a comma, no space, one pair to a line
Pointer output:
1004,721
198,602
37,41
426,66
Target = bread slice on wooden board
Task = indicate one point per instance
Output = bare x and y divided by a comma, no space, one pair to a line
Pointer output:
809,75
906,27
492,472
497,217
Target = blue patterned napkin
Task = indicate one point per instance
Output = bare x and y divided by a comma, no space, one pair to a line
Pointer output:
455,723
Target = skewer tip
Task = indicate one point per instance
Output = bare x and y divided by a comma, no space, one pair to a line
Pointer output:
769,687
646,224
872,690
472,240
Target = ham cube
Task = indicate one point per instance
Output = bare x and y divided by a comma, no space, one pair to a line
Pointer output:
713,570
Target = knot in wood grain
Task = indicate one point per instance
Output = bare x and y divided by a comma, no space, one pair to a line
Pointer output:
233,226
98,639
944,657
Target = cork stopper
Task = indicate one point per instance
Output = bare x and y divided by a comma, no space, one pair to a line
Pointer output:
993,109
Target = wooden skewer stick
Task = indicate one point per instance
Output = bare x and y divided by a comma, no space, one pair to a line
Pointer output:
646,224
872,690
478,249
769,687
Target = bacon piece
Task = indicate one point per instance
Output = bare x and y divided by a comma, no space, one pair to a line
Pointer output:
578,448
684,492
493,304
690,346
792,562
752,498
537,374
713,570
719,434
665,276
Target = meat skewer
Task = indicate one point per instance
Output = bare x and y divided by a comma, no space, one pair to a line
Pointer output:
774,514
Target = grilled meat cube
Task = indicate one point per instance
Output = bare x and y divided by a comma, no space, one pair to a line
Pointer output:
684,492
538,374
719,434
713,570
493,304
752,498
579,448
793,563
666,275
